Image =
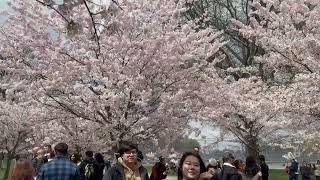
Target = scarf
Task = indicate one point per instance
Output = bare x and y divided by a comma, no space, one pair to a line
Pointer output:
131,174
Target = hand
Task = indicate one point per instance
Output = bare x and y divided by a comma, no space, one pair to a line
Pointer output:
259,173
205,176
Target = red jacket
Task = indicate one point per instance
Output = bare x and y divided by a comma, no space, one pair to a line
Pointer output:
158,172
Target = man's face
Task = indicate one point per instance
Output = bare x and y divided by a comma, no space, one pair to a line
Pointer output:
46,149
35,150
232,159
130,156
196,150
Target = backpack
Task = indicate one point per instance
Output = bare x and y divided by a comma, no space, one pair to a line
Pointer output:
88,171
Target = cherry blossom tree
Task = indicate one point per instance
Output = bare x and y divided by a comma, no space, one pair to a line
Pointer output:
124,70
17,113
16,130
250,110
288,31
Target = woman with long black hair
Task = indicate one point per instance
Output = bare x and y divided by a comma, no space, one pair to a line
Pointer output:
190,166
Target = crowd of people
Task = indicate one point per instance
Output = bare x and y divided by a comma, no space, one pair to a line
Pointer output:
57,164
307,171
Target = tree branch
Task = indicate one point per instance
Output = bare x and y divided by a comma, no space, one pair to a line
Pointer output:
51,7
97,38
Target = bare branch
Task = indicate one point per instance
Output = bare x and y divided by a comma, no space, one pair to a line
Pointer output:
51,7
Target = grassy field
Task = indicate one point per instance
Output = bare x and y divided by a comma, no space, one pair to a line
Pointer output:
2,171
278,174
1,174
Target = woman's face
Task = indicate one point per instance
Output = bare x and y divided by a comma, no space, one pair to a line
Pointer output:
191,168
73,157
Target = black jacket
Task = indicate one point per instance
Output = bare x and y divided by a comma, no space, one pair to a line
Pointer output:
83,165
99,174
264,171
116,172
229,173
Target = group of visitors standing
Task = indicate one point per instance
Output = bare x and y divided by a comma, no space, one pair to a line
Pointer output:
307,170
49,164
56,164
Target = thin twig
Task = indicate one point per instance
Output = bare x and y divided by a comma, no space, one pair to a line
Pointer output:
51,7
94,28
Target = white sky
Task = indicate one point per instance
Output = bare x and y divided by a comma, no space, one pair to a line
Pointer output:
3,5
210,134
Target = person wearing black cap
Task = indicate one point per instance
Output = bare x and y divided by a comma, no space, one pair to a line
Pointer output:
128,166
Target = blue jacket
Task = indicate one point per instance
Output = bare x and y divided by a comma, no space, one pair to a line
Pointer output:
293,169
59,169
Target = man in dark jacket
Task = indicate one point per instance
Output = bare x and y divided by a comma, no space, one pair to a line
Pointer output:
128,166
293,170
159,170
229,171
264,167
88,167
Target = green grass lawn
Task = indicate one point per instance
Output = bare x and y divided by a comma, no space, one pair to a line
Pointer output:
2,171
278,174
2,174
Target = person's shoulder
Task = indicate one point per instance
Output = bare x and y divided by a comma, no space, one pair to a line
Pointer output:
65,162
142,168
70,163
116,168
229,168
48,165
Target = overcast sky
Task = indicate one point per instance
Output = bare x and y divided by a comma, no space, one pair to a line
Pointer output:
3,6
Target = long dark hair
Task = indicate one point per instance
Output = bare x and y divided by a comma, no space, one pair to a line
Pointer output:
251,167
77,158
184,157
238,163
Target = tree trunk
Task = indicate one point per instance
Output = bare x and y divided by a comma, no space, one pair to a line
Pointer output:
252,146
7,167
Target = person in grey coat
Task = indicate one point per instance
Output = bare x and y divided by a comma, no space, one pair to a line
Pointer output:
127,167
229,171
